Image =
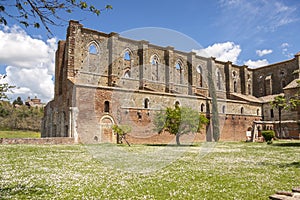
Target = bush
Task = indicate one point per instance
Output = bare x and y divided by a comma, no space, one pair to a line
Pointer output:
268,136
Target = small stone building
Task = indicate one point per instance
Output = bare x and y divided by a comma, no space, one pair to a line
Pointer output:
104,79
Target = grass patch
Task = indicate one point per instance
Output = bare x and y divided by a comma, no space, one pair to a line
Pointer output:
19,134
205,171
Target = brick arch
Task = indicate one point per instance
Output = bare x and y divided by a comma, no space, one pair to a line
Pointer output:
106,132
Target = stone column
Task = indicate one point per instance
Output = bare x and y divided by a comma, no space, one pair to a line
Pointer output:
73,112
168,60
191,72
143,55
112,77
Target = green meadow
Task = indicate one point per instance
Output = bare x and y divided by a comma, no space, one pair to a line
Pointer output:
224,170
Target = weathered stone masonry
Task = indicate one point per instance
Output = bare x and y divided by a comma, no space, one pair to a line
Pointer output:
104,79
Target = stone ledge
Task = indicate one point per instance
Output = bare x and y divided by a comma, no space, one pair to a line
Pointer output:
283,195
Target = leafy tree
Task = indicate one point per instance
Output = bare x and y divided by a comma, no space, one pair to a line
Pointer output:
46,12
18,101
121,131
268,136
4,88
279,103
179,121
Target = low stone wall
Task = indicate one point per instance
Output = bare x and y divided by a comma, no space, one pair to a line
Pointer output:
284,195
52,140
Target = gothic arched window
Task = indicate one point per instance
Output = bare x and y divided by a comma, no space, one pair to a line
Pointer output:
146,103
93,49
127,55
154,67
234,86
202,107
199,70
178,73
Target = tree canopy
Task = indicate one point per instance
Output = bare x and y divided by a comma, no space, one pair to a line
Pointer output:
4,88
179,121
43,12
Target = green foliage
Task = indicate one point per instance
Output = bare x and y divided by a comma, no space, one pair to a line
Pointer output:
268,135
34,13
279,102
18,101
4,87
121,129
179,121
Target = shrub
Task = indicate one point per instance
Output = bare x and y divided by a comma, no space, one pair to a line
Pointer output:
268,136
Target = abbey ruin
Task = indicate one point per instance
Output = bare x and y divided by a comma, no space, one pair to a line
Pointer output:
104,79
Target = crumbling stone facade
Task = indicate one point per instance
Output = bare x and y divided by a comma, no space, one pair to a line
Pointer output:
104,79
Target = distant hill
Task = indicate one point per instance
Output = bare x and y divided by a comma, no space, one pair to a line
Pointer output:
20,117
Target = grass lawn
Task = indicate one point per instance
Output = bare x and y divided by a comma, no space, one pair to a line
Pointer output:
19,134
204,171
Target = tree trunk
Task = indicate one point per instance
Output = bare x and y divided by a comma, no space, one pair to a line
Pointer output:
177,139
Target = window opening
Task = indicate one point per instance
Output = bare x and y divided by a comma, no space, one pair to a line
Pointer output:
146,103
106,106
93,49
127,74
127,56
202,107
234,86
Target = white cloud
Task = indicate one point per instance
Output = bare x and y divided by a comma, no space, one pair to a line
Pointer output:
284,45
285,50
256,63
261,53
278,14
227,51
30,63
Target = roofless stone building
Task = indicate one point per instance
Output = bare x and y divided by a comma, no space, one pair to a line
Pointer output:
104,79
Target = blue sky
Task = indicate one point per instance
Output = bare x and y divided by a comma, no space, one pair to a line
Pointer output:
255,33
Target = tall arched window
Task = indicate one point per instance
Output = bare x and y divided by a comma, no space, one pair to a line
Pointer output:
127,55
106,106
202,107
199,70
93,49
234,86
242,110
179,73
127,63
223,109
146,103
218,80
154,68
249,88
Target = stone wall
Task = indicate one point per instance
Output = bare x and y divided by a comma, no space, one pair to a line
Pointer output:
105,79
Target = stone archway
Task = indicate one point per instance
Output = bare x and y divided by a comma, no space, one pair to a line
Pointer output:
106,132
